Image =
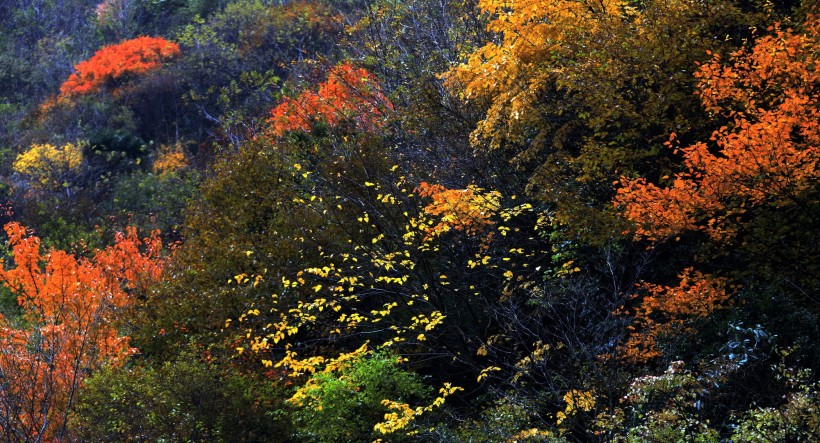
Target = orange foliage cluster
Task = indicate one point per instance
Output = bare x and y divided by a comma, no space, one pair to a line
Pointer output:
170,159
349,94
767,156
67,327
468,210
113,62
667,310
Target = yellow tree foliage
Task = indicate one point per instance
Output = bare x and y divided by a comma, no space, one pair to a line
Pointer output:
331,296
511,74
576,401
48,164
380,292
578,92
170,158
468,210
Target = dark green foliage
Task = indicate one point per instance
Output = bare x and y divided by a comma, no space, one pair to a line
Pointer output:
40,43
114,150
184,400
152,200
244,221
501,421
684,404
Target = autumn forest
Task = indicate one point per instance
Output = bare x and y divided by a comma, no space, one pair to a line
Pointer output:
409,221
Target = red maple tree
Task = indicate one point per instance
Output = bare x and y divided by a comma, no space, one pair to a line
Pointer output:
767,155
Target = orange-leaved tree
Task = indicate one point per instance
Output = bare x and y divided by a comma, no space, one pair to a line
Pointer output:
350,93
66,325
116,62
767,155
763,161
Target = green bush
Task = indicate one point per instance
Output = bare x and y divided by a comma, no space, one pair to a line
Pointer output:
344,406
185,400
798,420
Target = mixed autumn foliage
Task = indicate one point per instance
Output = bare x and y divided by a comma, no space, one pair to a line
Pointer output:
460,220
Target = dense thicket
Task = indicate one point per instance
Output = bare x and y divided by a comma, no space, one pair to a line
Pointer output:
451,220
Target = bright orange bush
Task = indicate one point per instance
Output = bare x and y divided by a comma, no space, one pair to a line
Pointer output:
350,93
767,156
114,62
67,327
